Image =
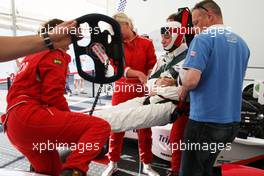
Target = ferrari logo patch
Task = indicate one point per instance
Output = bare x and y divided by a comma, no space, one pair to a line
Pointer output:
57,61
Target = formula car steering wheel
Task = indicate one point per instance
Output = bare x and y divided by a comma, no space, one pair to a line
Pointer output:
100,49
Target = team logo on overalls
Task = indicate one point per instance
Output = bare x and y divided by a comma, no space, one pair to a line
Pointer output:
57,61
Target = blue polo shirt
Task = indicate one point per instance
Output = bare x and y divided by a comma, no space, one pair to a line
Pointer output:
222,58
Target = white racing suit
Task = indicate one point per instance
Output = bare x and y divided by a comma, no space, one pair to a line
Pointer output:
132,114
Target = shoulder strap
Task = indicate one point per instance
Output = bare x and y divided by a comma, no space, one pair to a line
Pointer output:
175,60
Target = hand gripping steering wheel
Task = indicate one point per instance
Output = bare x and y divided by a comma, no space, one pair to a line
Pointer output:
100,49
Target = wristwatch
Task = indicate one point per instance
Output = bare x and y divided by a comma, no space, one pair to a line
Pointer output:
47,41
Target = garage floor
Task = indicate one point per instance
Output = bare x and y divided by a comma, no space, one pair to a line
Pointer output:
10,158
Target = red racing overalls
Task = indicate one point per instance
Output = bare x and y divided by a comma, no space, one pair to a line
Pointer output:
38,119
139,55
176,137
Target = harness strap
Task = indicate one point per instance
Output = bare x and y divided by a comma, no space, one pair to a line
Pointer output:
174,61
165,100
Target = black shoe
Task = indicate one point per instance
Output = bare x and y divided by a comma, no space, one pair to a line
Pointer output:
171,173
72,172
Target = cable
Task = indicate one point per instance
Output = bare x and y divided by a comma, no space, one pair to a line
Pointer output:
99,90
96,99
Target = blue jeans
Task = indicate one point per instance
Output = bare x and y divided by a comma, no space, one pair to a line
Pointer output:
207,140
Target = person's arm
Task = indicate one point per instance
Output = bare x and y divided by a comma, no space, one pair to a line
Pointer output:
190,81
162,86
151,82
195,63
53,70
191,78
14,47
165,82
149,72
170,92
151,60
151,57
131,73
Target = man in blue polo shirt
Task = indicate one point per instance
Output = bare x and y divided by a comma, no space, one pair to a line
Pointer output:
216,64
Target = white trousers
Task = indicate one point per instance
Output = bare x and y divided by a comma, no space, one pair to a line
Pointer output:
132,114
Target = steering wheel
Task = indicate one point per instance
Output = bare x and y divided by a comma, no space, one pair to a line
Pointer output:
100,49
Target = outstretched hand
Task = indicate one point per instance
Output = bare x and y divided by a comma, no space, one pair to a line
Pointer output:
60,35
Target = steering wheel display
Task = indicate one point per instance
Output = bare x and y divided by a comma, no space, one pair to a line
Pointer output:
104,46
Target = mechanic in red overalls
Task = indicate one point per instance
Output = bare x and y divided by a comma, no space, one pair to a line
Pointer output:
38,118
140,58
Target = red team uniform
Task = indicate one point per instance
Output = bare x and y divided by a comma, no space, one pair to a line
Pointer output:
139,55
38,116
